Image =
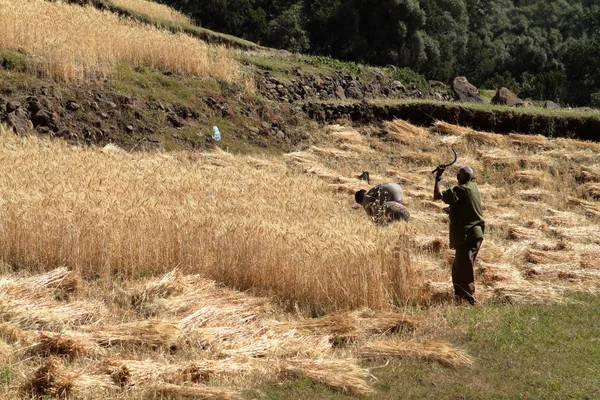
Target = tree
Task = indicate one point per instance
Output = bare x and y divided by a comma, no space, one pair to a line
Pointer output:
286,31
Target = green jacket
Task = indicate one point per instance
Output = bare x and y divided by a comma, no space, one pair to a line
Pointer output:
466,218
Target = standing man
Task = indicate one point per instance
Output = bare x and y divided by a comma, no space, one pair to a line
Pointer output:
383,203
466,229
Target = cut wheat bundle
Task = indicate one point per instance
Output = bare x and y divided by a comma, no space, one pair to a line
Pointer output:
436,292
404,132
171,284
283,344
526,293
531,141
54,379
490,274
13,334
498,157
142,372
440,352
592,190
587,174
491,139
34,314
535,177
521,233
449,129
58,283
535,194
357,148
353,324
132,372
591,208
168,390
344,374
66,345
344,134
223,314
153,333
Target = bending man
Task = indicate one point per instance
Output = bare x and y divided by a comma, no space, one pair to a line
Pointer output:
466,229
383,203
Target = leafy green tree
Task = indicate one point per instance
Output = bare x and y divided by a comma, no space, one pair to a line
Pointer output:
286,31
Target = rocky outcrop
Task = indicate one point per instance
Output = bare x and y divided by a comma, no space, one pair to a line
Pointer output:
465,92
338,86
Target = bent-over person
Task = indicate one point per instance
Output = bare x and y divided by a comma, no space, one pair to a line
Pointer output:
467,227
383,203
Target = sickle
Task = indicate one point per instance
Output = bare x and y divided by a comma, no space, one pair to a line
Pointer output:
447,165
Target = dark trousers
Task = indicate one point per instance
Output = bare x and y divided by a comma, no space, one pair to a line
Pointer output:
463,277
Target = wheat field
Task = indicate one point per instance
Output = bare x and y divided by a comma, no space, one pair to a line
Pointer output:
154,275
154,10
71,43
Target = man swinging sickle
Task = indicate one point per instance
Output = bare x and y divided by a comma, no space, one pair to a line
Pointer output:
466,229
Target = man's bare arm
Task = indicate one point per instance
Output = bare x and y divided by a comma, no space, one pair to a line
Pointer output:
437,193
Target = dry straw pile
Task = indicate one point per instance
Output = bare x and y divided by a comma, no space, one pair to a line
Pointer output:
74,43
154,10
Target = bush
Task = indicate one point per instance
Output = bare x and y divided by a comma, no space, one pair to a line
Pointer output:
409,78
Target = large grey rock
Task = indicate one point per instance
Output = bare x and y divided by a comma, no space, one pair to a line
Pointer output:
466,92
505,97
551,105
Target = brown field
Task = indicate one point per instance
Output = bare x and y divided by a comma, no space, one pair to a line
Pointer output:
72,43
154,10
196,274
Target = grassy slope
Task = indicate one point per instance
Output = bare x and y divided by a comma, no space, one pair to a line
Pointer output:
521,352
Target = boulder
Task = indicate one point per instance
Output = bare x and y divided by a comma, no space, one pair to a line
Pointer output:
505,97
466,92
339,93
551,105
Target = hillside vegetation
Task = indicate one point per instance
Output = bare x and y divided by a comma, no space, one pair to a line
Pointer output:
543,49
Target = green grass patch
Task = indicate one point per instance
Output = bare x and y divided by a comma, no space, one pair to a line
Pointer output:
564,112
13,60
520,352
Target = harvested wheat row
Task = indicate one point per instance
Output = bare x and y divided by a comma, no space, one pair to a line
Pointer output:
430,351
534,141
148,333
32,313
527,293
54,379
404,132
58,283
344,134
67,345
344,373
